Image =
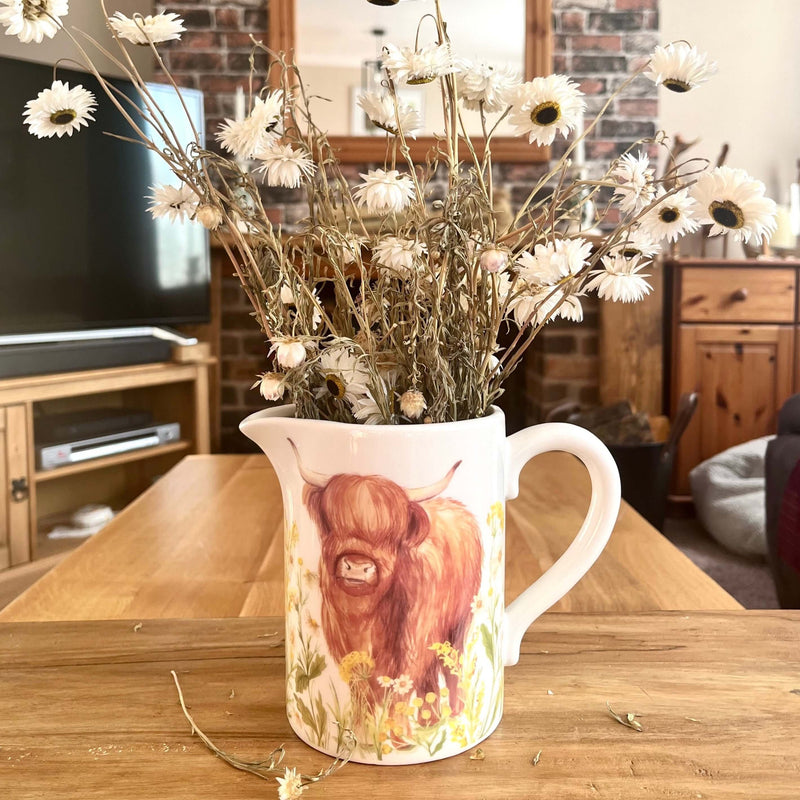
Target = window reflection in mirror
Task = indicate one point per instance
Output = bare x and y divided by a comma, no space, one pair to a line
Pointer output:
339,64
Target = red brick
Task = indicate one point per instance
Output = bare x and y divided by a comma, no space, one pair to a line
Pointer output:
220,83
190,61
637,107
592,85
636,5
592,43
573,22
228,18
570,367
238,40
200,40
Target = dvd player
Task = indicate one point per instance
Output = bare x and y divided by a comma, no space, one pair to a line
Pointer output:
51,456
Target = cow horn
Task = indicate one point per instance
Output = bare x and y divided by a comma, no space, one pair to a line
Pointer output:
309,476
427,492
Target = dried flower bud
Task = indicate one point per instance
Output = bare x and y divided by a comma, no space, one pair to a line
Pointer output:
494,260
412,404
271,385
210,217
287,295
289,352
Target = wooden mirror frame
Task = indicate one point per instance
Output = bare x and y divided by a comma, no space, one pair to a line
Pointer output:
372,149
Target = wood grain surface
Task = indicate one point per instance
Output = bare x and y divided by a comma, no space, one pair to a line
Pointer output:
207,541
89,710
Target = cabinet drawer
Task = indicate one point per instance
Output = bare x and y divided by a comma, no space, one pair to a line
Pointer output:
757,294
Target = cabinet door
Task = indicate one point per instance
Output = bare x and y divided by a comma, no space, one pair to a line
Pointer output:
743,375
15,487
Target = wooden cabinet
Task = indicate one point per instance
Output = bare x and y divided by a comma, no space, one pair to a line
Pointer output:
33,500
734,334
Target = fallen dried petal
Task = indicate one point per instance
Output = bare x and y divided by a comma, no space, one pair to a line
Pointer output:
535,759
629,720
137,627
478,755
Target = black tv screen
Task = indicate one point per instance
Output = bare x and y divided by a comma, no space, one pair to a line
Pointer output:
78,247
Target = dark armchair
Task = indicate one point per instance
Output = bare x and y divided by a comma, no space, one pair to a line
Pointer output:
783,504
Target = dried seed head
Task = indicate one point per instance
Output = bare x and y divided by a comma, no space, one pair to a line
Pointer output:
494,260
210,217
412,404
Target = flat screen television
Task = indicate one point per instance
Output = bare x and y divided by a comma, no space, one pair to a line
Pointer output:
78,248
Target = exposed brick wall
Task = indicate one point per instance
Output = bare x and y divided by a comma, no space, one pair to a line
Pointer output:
597,42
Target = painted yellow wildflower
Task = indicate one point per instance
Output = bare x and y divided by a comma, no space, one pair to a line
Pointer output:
426,714
444,692
418,701
429,698
446,710
386,748
356,666
293,538
496,520
449,656
400,708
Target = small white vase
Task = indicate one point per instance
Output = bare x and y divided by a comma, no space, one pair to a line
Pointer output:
396,627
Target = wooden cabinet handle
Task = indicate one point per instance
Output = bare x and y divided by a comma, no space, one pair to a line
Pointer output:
739,295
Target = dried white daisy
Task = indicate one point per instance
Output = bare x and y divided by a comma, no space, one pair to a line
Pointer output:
634,177
351,245
290,786
366,410
59,110
289,351
412,403
143,30
673,217
636,243
733,202
282,165
571,309
620,280
680,67
270,385
398,255
380,108
536,306
344,376
384,191
257,130
551,262
32,20
177,203
545,107
416,67
487,86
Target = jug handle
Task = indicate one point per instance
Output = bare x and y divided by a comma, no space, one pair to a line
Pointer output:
592,536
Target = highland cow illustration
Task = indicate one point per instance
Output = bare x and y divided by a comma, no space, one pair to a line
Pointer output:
398,572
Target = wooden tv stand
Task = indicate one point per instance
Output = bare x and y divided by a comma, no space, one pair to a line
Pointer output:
33,501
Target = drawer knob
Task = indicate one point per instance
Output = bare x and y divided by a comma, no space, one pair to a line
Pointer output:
739,295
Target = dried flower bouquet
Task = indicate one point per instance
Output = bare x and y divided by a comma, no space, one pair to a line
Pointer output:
401,324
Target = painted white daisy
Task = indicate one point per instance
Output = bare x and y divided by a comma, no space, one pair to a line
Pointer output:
634,177
680,67
733,202
177,203
552,261
487,85
343,374
416,67
270,385
257,130
403,684
32,20
289,351
143,30
398,255
636,243
290,786
383,191
545,107
620,280
282,165
59,110
210,217
412,403
380,109
384,681
673,217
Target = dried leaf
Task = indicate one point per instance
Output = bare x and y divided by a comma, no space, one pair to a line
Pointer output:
478,755
535,759
629,720
137,627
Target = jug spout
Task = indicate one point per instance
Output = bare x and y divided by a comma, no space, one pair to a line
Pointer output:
268,428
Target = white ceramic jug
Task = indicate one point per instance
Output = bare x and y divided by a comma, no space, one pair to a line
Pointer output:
396,627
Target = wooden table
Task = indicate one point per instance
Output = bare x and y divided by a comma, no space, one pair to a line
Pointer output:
89,710
206,541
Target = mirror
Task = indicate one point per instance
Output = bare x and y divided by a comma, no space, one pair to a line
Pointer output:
339,63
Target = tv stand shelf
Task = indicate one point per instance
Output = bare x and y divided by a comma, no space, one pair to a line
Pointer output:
30,499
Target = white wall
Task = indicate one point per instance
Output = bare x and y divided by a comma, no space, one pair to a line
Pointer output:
85,15
753,103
